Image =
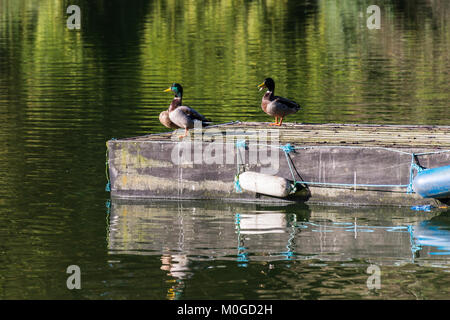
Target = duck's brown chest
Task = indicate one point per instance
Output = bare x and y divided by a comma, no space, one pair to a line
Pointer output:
176,102
265,101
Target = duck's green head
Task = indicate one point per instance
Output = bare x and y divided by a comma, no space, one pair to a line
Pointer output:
268,83
177,89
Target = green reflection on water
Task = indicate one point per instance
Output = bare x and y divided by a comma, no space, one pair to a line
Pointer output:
207,250
63,93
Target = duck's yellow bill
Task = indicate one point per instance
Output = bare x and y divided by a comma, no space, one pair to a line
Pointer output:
168,89
261,85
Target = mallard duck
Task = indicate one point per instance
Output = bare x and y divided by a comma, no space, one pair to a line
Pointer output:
183,116
274,106
165,120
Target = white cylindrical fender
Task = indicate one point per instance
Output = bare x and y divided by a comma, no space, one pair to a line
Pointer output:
265,184
262,223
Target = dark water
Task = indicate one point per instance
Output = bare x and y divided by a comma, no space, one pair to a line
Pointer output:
64,93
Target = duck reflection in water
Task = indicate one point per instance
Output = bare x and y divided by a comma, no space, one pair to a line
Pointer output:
176,267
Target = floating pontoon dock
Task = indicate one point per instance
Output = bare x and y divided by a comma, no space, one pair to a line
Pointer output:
325,163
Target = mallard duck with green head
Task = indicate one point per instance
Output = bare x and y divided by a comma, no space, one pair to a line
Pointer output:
275,106
183,116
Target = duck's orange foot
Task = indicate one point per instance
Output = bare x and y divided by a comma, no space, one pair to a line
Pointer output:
186,133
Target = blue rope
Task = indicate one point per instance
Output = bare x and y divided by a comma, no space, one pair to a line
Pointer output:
290,166
108,213
414,246
353,184
287,148
289,254
242,255
108,183
237,186
239,144
426,208
413,167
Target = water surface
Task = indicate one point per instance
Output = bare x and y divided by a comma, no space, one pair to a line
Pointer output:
64,93
250,251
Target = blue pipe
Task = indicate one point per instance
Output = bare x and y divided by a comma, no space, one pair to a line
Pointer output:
433,183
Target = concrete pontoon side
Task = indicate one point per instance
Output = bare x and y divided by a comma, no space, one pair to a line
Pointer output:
204,166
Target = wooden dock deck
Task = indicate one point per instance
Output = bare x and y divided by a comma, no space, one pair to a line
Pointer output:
402,136
346,163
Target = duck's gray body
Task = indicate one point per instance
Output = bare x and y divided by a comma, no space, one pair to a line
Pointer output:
184,116
278,106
